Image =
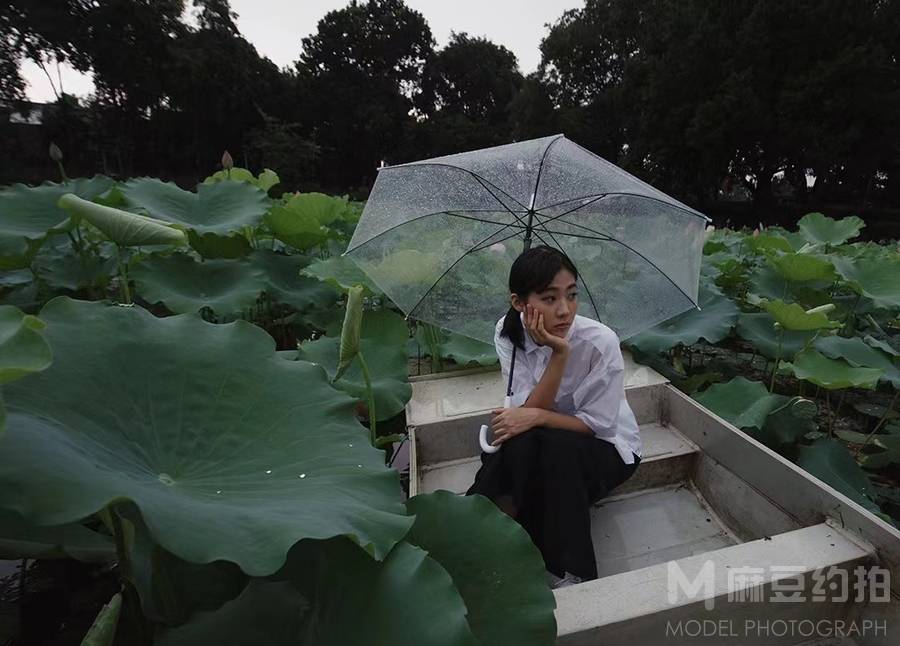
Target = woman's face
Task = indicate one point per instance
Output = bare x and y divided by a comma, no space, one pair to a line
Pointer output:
558,303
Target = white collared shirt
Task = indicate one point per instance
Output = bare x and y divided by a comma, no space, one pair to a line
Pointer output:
593,382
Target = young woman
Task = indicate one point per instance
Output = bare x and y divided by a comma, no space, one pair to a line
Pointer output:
569,436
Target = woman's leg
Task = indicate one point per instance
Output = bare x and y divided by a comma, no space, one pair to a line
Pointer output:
566,465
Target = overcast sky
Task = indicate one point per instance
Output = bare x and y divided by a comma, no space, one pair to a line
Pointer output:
275,27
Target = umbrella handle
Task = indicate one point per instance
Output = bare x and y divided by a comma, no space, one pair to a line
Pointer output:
482,434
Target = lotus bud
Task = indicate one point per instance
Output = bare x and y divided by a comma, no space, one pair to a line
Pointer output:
227,161
55,153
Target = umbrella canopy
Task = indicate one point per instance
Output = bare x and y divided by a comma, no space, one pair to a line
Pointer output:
439,236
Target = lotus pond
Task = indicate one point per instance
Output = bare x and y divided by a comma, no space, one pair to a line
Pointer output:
202,400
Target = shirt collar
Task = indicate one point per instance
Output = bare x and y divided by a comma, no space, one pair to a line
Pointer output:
530,345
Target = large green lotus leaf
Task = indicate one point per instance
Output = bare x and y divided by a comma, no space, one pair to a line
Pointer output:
219,208
744,403
758,329
383,345
335,596
831,462
786,425
124,228
20,539
801,267
228,451
23,348
881,345
228,287
500,575
793,317
285,284
266,180
170,588
766,282
879,279
712,322
817,227
764,242
860,355
63,269
213,245
342,273
833,373
302,220
266,612
29,213
796,240
465,350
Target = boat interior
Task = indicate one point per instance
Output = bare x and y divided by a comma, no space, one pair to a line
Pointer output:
705,495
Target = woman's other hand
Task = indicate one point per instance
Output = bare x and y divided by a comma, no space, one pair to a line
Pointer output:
534,323
509,422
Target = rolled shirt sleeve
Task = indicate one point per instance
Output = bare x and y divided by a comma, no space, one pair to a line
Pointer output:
598,397
523,382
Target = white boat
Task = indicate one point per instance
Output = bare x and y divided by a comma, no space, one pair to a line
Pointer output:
708,507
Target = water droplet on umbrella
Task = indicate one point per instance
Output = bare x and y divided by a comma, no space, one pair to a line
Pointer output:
359,465
166,479
268,470
218,491
350,445
302,475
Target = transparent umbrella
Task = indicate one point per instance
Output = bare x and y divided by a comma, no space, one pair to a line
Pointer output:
438,236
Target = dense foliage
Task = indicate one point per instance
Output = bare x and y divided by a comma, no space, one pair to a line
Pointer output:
707,101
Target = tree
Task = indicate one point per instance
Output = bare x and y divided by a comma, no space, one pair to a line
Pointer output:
359,75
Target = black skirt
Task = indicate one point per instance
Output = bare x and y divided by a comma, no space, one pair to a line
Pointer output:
553,476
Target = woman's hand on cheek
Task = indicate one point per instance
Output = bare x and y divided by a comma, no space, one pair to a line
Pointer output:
509,422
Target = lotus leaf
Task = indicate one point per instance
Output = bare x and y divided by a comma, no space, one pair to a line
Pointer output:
817,227
713,323
266,612
465,350
266,180
803,267
302,220
881,345
124,228
879,279
758,328
383,344
229,452
23,348
764,243
228,287
342,273
338,595
285,284
833,373
500,576
172,589
213,245
221,208
793,317
744,403
831,462
860,355
21,539
29,214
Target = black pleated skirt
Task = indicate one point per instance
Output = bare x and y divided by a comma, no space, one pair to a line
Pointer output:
553,476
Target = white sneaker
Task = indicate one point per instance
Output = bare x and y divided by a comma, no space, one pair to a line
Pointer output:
567,580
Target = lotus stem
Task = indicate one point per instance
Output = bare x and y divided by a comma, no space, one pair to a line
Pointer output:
830,413
123,277
370,395
881,421
777,359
